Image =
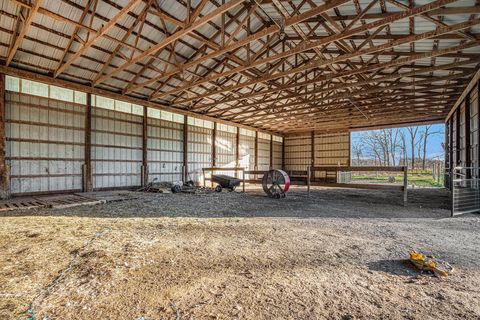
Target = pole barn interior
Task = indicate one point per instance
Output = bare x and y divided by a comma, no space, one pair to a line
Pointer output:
105,97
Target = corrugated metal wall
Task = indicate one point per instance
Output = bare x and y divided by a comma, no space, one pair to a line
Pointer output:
298,151
263,151
225,146
116,148
165,150
45,148
462,127
199,151
332,149
474,129
277,155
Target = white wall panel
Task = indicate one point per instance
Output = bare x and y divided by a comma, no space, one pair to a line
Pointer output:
116,149
298,152
247,150
199,151
165,150
225,145
263,153
277,155
45,147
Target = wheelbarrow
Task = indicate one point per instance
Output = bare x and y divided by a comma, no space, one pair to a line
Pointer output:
224,181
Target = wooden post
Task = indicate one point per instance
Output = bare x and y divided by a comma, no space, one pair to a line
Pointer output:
283,153
309,173
468,161
458,137
478,128
237,151
4,172
450,126
256,151
145,148
271,152
185,149
214,145
87,183
312,153
405,185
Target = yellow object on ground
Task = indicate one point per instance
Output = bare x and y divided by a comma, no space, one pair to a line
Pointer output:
430,263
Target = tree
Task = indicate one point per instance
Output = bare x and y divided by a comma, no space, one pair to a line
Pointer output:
357,147
413,135
425,134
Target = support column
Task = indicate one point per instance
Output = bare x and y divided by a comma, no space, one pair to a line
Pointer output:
458,137
468,161
185,149
87,168
312,156
4,172
271,152
237,149
256,151
450,160
144,171
283,153
214,145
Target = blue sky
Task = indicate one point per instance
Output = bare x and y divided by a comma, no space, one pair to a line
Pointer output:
434,144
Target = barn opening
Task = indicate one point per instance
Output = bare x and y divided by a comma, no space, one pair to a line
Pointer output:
247,159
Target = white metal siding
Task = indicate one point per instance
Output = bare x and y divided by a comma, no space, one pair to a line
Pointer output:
263,154
225,145
332,149
45,143
116,149
277,155
199,151
165,150
297,152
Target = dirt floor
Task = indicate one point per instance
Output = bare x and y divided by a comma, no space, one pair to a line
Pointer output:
336,254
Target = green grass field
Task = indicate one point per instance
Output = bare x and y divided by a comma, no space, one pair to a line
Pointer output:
419,180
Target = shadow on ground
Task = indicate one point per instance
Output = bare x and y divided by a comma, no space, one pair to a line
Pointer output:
320,203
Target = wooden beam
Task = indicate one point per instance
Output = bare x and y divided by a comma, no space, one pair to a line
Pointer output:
468,161
256,151
144,172
241,43
103,30
114,95
87,183
177,35
458,138
4,172
214,145
271,152
312,149
23,31
305,46
185,149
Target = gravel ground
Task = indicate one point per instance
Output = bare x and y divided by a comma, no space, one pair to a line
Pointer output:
336,254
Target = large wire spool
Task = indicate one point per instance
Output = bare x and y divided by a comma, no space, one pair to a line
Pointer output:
276,183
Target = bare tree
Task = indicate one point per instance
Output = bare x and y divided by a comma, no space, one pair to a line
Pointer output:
413,136
426,132
357,147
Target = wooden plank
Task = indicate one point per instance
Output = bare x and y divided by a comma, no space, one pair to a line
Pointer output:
23,31
468,162
185,149
98,35
4,172
144,172
357,168
87,183
214,145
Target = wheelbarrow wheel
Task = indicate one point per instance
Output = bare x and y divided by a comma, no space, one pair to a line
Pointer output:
218,188
231,189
